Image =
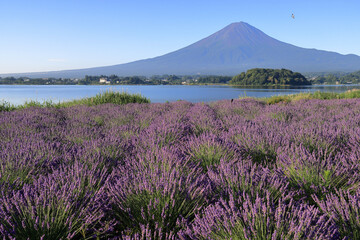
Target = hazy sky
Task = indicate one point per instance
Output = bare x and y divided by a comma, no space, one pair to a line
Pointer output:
43,35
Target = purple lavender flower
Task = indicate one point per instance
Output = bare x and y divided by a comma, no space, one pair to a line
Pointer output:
259,218
344,208
179,170
157,192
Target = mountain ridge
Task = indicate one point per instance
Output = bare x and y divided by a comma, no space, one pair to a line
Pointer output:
229,51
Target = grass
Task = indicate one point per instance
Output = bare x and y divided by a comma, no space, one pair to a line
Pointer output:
101,98
354,93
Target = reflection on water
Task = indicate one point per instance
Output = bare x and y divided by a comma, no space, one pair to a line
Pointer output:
18,94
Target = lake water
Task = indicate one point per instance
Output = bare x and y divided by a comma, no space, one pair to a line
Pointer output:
18,94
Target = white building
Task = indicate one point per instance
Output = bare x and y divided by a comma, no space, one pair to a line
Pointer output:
104,80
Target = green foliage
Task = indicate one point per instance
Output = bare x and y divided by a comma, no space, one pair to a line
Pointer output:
261,152
154,209
32,103
354,93
281,116
108,97
214,79
37,81
109,80
101,98
12,174
209,155
112,79
261,76
277,99
337,78
6,106
313,180
99,120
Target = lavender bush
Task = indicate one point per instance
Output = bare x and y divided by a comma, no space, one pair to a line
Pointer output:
259,218
63,205
242,170
156,192
344,208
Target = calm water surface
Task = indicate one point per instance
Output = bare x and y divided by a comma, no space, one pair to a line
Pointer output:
18,94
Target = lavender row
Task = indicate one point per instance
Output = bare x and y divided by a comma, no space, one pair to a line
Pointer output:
225,170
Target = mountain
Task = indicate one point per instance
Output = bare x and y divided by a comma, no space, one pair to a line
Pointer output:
233,49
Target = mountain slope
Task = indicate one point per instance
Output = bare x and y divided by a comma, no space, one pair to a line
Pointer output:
233,49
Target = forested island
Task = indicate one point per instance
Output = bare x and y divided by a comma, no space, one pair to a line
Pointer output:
253,77
269,77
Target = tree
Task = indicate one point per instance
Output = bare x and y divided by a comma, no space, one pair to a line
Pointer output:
262,76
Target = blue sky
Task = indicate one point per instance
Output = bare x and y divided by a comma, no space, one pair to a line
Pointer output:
44,35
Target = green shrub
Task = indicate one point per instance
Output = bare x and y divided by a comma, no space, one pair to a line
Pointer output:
108,97
101,98
6,106
354,93
209,155
277,99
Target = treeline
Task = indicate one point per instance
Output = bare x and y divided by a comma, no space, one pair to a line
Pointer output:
253,77
133,80
118,80
37,81
269,77
102,79
112,79
335,78
158,80
214,79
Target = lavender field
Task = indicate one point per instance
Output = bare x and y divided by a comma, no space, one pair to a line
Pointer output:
224,170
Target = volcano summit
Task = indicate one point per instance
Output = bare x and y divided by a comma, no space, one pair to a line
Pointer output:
235,48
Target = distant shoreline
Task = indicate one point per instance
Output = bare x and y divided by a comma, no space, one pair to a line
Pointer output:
199,84
257,77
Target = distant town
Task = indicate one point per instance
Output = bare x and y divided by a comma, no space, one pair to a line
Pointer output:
312,78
